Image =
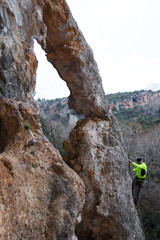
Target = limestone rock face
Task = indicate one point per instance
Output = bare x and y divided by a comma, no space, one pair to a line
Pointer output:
51,23
20,22
94,151
40,196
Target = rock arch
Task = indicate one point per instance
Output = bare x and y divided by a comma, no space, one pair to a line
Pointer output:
39,185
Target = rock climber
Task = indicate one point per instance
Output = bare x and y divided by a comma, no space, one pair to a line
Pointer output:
139,180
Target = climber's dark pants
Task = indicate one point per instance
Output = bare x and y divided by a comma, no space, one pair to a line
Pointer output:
137,189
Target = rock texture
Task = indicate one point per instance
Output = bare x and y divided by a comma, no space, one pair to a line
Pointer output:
41,197
20,22
68,51
94,151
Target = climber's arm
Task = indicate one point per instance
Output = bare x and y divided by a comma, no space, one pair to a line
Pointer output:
137,165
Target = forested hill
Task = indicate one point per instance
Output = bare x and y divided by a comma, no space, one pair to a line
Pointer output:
140,106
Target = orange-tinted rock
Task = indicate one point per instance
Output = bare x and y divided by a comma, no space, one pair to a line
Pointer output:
68,51
40,196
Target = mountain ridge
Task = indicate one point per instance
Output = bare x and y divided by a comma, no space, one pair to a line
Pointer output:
116,100
153,87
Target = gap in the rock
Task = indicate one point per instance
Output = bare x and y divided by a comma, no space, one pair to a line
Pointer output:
56,118
49,85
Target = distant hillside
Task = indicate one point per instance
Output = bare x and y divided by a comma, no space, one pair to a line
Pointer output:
138,106
129,100
57,120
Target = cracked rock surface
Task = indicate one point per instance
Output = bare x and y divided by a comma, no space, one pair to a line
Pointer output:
94,151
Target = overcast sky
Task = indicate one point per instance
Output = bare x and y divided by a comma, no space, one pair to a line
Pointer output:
125,38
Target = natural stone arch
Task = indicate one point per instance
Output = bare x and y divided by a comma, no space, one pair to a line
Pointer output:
70,54
52,24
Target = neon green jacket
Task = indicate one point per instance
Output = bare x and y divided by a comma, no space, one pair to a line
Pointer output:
141,170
